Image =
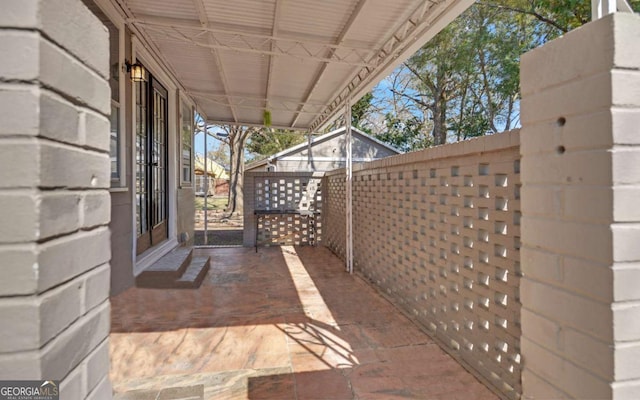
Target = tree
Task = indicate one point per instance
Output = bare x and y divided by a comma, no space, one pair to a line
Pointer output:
363,112
237,139
439,79
560,15
359,112
465,81
267,142
220,154
405,135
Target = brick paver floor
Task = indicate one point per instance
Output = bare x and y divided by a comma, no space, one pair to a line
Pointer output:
285,323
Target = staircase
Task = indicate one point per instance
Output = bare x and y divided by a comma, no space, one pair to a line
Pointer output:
177,269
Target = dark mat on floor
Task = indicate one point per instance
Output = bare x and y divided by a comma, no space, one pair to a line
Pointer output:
227,237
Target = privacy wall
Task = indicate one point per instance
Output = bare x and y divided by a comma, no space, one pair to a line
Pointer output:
282,198
438,231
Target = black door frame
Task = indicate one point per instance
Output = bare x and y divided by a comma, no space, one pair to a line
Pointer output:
152,208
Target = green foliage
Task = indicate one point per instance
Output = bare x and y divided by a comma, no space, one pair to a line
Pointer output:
561,15
465,81
405,134
268,142
359,111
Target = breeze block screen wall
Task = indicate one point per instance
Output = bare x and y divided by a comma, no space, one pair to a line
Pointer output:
438,232
284,191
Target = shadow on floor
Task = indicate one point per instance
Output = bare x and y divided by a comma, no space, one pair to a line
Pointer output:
283,323
242,288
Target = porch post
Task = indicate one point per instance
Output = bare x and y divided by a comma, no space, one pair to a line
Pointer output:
580,230
309,159
600,8
206,184
54,197
348,188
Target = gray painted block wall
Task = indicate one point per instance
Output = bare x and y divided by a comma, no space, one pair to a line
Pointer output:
54,196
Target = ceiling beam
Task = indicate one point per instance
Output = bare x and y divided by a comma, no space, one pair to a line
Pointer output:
323,68
204,22
142,36
259,105
299,50
258,125
261,44
256,99
274,33
424,22
247,32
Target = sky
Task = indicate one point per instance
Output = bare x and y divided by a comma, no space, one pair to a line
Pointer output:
212,143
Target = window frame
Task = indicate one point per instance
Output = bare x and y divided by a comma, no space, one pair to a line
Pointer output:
186,104
119,182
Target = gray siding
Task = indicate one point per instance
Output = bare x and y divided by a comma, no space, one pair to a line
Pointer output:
329,154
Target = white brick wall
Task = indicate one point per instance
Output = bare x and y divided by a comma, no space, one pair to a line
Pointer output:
282,191
581,224
580,259
54,199
437,232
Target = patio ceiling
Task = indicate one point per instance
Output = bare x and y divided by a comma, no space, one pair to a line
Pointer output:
299,59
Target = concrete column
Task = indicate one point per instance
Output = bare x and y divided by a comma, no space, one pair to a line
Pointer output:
54,199
249,229
580,147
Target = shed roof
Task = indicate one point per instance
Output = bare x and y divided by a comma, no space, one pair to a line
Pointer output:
214,169
317,140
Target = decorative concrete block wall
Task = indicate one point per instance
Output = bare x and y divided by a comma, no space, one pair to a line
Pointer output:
282,191
438,232
581,219
54,199
335,214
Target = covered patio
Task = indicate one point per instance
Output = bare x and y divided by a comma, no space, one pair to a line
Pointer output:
515,253
285,323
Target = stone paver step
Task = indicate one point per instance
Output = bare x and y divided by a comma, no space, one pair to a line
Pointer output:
176,270
173,263
172,393
195,273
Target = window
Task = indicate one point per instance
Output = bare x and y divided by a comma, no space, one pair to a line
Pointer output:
114,147
186,140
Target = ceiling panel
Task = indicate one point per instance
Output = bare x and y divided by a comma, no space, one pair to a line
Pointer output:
303,59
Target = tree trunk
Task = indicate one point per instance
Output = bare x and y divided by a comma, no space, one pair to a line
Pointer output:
440,108
439,121
238,137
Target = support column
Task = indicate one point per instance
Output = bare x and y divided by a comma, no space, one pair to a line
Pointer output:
206,186
349,188
600,8
54,197
249,218
580,255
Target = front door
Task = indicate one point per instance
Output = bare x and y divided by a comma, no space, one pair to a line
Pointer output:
151,163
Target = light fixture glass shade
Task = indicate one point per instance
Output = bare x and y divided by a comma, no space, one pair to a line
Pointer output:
138,73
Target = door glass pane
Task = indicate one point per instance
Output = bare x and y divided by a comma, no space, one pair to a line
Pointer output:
151,178
141,158
186,140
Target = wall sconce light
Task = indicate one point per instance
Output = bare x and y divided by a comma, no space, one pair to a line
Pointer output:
137,71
